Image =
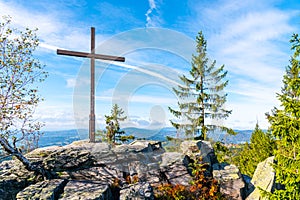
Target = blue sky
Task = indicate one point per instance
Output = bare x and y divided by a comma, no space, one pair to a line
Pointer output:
157,38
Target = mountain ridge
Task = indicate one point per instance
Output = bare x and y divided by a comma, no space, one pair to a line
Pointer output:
64,137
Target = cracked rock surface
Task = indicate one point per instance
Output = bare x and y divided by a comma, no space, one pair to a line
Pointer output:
84,170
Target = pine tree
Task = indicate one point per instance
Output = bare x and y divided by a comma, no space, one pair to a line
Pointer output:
285,126
201,95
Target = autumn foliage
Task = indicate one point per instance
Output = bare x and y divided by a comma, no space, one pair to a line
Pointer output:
201,187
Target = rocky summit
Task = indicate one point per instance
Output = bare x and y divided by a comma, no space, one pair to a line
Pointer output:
84,170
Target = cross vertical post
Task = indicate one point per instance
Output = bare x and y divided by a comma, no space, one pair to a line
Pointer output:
92,55
92,128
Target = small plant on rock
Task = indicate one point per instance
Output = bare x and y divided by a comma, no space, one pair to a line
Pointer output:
113,131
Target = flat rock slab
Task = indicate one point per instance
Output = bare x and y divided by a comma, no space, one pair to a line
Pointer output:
103,174
64,159
170,158
86,190
48,190
178,174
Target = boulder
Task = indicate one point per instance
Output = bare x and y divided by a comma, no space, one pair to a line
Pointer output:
230,180
174,168
264,178
91,166
199,148
48,190
87,190
170,158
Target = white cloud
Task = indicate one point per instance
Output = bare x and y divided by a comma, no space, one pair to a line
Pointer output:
165,77
71,82
139,99
250,47
55,117
54,31
152,99
48,46
152,20
22,17
251,39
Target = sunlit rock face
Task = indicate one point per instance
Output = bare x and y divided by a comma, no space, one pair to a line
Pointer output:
84,170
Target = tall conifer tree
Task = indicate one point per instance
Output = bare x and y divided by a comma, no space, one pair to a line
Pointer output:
285,126
261,147
201,95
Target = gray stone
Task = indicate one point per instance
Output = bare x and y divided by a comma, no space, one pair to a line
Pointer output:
102,173
170,158
47,190
178,174
263,177
137,191
230,180
68,159
199,148
174,169
13,179
86,190
92,169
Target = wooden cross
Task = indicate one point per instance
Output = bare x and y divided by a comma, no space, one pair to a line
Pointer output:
92,56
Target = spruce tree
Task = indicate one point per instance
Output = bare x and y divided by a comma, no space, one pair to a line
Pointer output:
201,95
285,126
261,146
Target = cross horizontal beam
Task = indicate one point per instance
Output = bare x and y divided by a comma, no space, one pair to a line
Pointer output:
90,55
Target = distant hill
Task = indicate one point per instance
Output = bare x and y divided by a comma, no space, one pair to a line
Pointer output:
151,134
160,134
242,136
64,137
68,136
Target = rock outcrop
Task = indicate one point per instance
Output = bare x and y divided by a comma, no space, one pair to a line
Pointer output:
264,178
199,148
84,170
230,179
13,178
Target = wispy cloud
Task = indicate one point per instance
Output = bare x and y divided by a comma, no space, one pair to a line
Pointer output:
55,116
174,80
71,82
251,39
250,46
152,20
54,30
48,46
140,99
